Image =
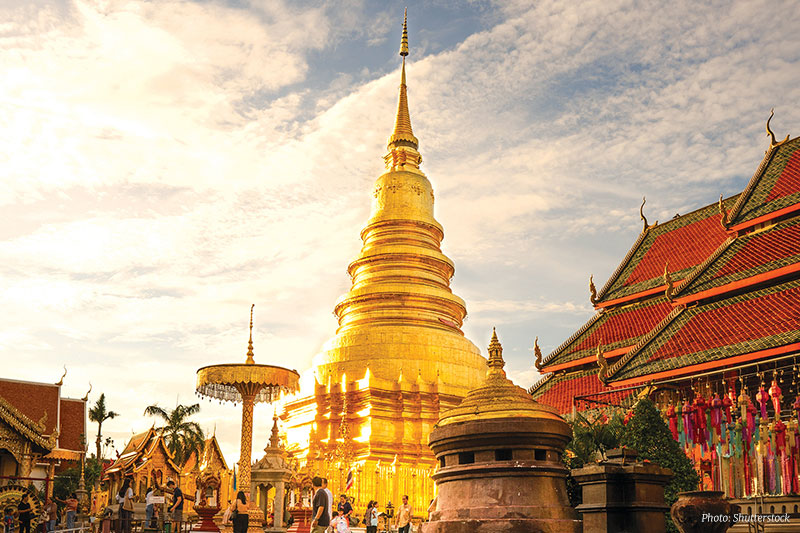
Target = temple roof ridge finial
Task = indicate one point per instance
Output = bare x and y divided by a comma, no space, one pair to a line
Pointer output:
402,142
250,360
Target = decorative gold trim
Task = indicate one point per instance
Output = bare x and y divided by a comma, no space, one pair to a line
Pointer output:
670,290
724,220
602,374
592,291
772,142
61,381
86,396
538,353
250,360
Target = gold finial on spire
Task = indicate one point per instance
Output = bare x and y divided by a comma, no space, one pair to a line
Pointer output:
592,290
402,143
495,362
724,219
86,397
274,439
404,39
250,360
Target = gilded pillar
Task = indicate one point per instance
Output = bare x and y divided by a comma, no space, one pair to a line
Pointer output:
247,442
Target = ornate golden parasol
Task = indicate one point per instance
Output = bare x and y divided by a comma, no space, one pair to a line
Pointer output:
247,383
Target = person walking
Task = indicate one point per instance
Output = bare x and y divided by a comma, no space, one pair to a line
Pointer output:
50,511
24,514
319,510
371,517
176,510
403,520
241,520
125,501
330,498
149,507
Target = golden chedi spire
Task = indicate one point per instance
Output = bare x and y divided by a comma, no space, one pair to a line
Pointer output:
402,143
401,280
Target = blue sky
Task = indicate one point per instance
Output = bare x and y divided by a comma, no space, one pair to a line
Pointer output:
166,164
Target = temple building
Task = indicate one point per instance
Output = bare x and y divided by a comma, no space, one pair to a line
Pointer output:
147,461
41,432
399,358
211,462
703,314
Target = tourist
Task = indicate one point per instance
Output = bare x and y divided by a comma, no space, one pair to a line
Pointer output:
241,520
319,511
403,520
50,511
149,507
339,523
176,511
344,508
330,497
371,520
8,520
71,508
24,514
125,501
226,517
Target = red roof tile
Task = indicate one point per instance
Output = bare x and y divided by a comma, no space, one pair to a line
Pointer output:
789,180
559,391
742,324
73,424
623,327
32,400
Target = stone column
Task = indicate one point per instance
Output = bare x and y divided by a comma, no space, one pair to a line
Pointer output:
278,505
623,494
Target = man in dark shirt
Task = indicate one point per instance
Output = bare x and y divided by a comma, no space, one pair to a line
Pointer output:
344,507
319,511
176,510
24,509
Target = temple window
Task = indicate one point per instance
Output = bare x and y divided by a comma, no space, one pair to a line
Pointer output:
465,458
540,455
502,455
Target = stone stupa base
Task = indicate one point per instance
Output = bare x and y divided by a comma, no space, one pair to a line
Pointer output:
503,525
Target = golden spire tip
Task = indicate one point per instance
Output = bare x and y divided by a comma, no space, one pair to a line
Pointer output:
250,354
495,361
404,39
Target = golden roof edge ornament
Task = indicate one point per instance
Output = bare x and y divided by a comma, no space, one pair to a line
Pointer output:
722,211
602,374
670,287
86,396
61,381
537,352
646,226
772,142
592,291
250,354
403,145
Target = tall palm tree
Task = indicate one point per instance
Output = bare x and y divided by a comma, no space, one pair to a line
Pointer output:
99,414
182,436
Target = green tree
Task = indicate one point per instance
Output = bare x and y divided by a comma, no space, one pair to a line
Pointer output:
98,413
182,436
648,434
66,482
590,439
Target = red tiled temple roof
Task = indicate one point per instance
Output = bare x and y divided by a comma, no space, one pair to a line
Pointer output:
774,188
560,390
32,400
744,324
616,328
683,243
753,257
73,424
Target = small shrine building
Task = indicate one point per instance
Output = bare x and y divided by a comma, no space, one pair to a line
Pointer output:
147,461
211,461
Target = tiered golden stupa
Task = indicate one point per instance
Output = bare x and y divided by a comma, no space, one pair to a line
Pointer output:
399,358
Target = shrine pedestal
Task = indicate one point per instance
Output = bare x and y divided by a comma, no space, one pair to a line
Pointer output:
623,494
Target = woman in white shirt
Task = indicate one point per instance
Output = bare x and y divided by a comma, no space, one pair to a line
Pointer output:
149,507
125,499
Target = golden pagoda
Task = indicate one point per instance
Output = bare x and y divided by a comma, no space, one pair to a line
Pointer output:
399,358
